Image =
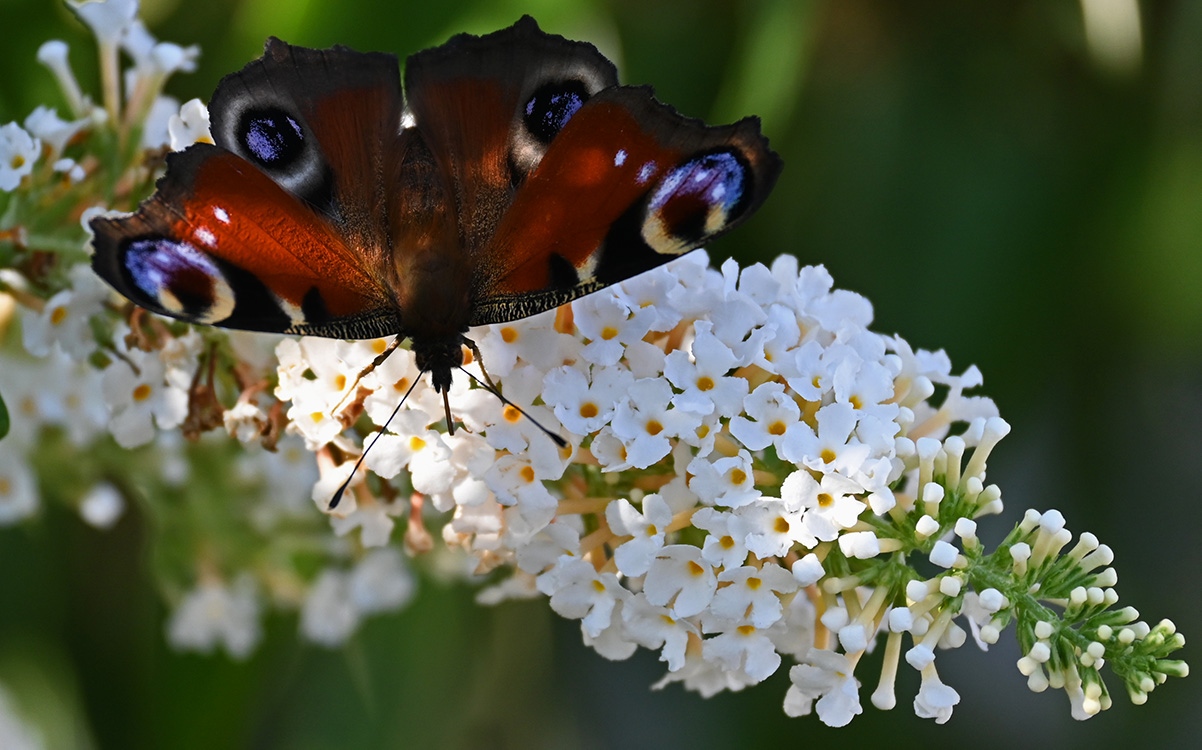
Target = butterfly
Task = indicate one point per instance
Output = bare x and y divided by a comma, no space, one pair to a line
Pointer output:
513,175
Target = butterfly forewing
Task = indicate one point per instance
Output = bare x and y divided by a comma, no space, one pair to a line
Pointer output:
227,246
489,105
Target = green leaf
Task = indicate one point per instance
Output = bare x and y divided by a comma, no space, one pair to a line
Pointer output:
3,418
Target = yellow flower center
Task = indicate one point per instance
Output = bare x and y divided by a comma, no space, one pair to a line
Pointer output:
511,413
825,500
754,583
705,383
745,629
738,476
695,569
416,444
379,345
527,473
781,526
777,428
654,427
608,332
598,586
509,334
17,162
58,315
651,530
339,382
856,403
727,541
588,410
401,385
827,455
142,392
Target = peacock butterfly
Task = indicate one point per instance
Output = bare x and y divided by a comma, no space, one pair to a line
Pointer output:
517,176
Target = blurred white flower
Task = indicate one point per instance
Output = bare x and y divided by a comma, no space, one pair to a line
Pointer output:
214,615
18,152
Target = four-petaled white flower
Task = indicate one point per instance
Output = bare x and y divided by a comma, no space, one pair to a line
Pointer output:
647,528
18,151
216,614
645,421
751,596
609,327
828,678
729,481
18,489
743,648
139,398
189,125
701,374
680,579
582,593
653,626
585,401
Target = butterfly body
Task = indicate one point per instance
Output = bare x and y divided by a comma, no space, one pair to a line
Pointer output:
514,174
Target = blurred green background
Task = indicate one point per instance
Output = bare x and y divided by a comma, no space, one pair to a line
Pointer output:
998,181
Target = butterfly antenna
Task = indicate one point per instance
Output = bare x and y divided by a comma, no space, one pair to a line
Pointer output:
338,495
493,390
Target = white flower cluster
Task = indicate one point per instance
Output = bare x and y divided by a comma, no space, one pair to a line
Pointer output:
146,385
749,470
163,122
730,435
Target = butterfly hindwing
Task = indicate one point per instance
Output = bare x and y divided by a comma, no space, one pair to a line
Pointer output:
626,185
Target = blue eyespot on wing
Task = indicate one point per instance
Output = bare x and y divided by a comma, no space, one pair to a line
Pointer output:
178,279
695,201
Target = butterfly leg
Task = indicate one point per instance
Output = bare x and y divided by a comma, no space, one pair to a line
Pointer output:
379,360
446,405
479,358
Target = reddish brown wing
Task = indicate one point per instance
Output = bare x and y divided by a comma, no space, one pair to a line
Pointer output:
283,225
221,243
324,124
626,185
488,107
